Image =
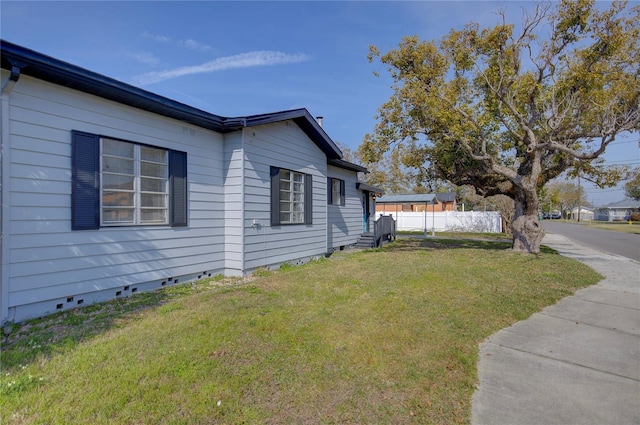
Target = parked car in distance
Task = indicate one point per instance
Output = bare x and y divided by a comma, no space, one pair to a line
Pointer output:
556,215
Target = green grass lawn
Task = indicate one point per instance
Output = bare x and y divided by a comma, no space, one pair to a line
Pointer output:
463,235
616,226
387,336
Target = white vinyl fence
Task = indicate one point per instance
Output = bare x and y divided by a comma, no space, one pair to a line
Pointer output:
451,221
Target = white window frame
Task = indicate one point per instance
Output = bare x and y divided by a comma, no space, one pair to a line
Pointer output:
137,192
336,198
288,196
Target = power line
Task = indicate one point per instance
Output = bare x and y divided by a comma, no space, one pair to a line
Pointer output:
602,190
626,141
623,162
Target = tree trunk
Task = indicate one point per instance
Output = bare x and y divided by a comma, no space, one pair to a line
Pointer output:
526,228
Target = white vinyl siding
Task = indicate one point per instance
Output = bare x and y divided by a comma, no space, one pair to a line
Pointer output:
286,146
226,185
48,262
345,222
234,206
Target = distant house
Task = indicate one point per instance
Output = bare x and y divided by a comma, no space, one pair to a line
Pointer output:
585,213
108,189
617,211
416,202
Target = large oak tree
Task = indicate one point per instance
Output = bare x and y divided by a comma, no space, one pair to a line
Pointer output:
632,186
506,109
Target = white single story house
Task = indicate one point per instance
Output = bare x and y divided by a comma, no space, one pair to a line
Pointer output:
585,213
617,211
108,189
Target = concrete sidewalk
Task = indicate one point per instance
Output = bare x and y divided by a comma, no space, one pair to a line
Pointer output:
576,362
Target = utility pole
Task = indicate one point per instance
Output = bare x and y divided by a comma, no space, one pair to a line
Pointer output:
579,197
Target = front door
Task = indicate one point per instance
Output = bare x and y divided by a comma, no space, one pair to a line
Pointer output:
365,212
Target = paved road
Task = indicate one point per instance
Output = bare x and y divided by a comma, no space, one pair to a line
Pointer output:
625,244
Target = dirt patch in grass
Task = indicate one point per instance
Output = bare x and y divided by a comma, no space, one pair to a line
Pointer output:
23,342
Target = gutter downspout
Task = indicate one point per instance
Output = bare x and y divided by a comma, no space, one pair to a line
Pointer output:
5,163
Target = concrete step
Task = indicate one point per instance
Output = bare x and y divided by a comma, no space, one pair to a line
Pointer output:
365,241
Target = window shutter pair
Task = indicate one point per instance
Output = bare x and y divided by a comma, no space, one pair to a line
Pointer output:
85,183
330,192
275,197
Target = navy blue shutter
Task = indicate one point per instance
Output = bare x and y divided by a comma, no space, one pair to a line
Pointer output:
308,199
275,196
329,191
85,181
178,189
342,193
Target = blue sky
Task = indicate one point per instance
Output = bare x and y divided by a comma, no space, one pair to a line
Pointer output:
243,58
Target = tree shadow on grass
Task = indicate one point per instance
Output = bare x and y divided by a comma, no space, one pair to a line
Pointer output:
24,342
434,244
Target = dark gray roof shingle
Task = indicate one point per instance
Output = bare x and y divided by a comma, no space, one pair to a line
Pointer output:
417,198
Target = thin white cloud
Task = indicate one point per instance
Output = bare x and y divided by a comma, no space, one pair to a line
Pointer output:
243,60
195,45
146,58
155,37
188,43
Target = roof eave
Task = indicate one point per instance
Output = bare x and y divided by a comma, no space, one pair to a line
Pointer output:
307,124
46,68
369,188
341,163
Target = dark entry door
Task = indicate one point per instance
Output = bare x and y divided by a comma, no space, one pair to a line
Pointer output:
365,212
